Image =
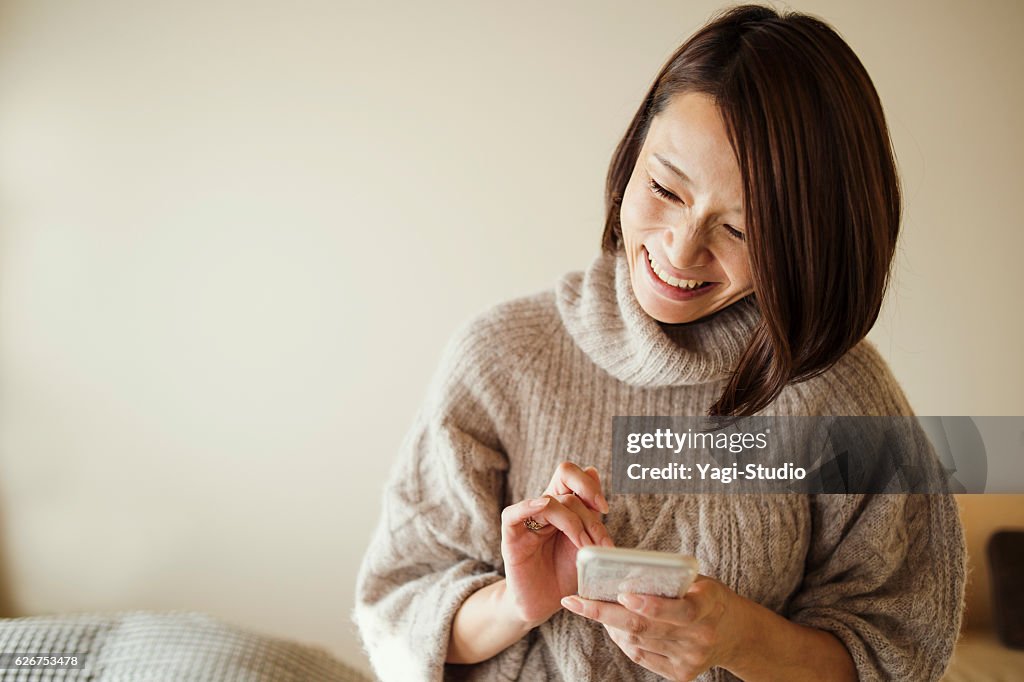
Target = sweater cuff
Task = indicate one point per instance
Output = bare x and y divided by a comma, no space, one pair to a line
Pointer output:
406,636
865,644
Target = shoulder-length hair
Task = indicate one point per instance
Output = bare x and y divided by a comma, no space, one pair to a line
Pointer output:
822,194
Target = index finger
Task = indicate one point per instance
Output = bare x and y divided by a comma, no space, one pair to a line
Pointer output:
618,617
690,607
678,611
569,478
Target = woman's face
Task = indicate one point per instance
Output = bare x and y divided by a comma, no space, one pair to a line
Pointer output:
682,215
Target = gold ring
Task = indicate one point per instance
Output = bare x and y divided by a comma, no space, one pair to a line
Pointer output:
532,524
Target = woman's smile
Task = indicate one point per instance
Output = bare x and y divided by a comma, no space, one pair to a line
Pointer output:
665,284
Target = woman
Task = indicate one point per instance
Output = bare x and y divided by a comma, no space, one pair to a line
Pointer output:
752,214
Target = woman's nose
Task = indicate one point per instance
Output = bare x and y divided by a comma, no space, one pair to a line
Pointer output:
685,247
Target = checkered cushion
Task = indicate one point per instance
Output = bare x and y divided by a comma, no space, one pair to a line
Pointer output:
154,647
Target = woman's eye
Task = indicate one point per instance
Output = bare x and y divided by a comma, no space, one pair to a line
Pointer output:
661,191
664,193
735,234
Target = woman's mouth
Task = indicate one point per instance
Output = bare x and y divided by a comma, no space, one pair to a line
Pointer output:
672,287
668,279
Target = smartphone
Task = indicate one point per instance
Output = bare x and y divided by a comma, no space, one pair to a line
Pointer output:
605,572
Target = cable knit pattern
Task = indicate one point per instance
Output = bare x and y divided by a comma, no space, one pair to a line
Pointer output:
537,380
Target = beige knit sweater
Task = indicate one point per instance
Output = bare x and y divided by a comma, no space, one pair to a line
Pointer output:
537,380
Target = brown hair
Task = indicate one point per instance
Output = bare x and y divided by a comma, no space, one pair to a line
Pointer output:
820,182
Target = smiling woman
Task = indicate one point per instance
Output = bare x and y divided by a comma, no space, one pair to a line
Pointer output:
752,213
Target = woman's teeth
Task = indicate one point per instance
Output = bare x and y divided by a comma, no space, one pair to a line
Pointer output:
668,279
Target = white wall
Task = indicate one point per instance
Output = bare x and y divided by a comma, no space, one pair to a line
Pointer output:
234,237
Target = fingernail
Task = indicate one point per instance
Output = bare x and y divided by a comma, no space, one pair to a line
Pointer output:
607,542
631,601
540,502
602,503
572,603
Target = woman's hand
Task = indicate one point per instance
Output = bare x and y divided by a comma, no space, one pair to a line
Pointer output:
540,565
675,638
712,626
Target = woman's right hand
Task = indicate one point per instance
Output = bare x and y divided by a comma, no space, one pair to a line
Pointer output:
540,565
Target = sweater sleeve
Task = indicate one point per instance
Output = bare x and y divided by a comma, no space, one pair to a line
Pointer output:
439,536
885,574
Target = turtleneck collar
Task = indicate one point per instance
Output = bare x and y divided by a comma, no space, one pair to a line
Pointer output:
601,313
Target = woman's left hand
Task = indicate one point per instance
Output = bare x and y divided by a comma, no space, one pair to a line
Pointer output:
675,638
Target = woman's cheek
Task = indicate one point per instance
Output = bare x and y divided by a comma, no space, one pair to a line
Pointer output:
637,214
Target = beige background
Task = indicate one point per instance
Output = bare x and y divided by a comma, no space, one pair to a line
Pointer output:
234,237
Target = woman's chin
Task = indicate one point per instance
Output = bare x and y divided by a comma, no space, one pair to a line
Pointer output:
672,312
668,311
